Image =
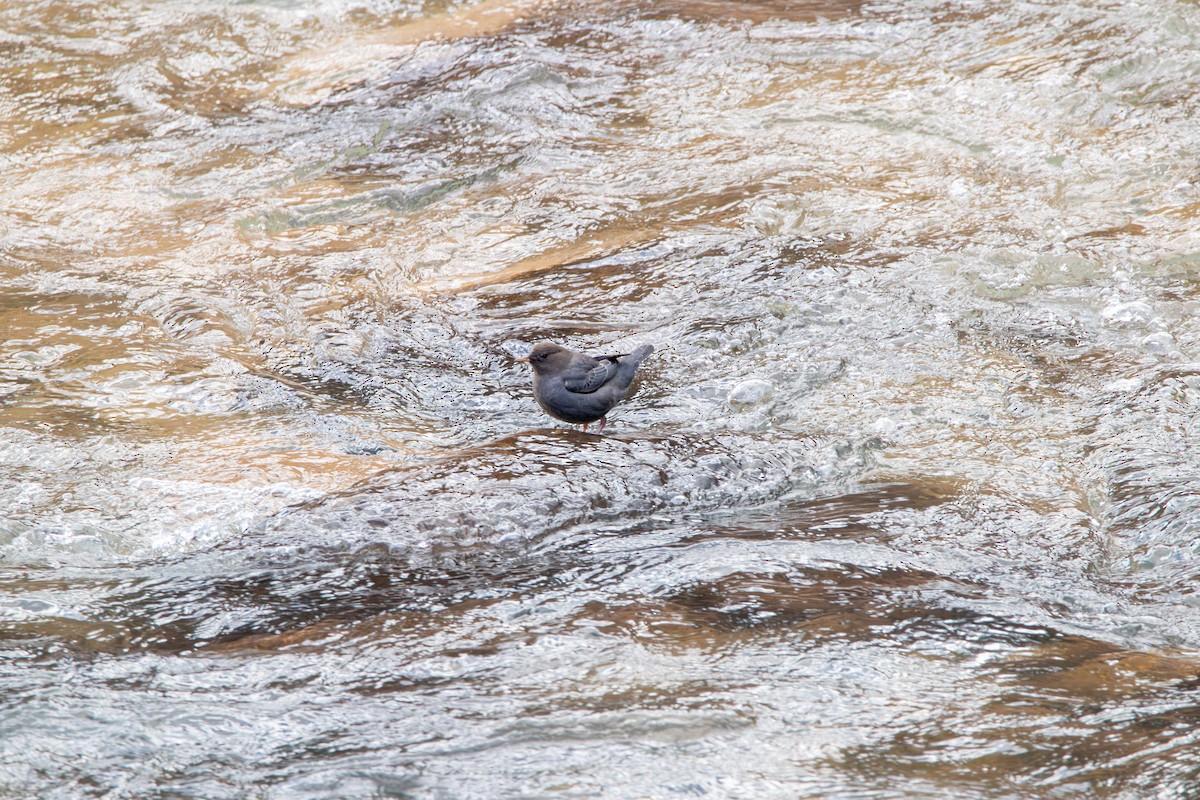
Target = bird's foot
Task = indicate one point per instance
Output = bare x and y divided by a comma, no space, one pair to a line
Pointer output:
602,421
585,427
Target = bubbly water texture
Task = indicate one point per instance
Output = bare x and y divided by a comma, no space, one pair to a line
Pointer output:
905,504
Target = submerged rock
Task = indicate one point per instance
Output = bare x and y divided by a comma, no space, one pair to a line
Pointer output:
752,392
527,486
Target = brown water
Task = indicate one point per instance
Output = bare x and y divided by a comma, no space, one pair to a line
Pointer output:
905,504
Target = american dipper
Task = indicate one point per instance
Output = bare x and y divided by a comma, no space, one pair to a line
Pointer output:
578,388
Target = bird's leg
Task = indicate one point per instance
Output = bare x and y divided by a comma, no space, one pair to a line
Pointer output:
602,421
585,427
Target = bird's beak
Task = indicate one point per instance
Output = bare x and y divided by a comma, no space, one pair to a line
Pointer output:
522,360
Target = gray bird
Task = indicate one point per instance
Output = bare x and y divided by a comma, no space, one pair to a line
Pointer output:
578,388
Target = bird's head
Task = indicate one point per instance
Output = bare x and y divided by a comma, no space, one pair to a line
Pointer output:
546,355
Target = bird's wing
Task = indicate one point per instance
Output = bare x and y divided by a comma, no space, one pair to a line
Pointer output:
585,374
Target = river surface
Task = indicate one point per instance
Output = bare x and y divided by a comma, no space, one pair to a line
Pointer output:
906,503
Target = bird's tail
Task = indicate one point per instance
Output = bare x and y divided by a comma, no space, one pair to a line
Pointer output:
627,365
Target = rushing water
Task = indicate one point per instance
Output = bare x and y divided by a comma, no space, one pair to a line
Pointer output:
906,502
